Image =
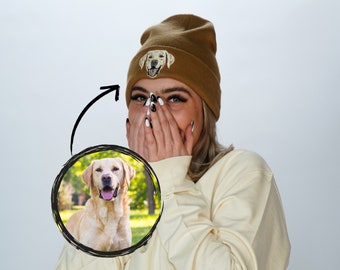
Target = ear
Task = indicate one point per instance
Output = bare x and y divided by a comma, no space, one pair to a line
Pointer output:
87,174
142,61
129,172
170,59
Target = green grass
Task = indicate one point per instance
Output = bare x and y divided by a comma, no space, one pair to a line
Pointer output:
141,222
66,214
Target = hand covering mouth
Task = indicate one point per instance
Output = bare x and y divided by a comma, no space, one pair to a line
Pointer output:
108,193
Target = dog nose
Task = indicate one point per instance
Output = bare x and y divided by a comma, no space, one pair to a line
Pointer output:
154,63
106,179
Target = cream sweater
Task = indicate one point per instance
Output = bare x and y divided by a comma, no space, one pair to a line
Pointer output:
232,218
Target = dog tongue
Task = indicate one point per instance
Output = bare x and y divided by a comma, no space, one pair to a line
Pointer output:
107,195
153,72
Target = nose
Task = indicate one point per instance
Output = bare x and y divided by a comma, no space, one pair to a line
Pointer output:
154,63
106,179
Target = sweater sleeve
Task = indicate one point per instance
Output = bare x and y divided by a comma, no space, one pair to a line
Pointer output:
221,221
73,259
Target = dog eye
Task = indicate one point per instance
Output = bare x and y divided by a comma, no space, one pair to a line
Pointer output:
99,170
115,169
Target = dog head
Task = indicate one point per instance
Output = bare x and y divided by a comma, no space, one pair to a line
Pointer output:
105,177
155,60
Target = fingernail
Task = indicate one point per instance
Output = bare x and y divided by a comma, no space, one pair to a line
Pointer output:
153,97
147,122
127,120
160,101
192,125
148,112
147,102
153,106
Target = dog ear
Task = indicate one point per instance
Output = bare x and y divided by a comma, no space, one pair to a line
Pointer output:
142,60
87,174
170,59
128,171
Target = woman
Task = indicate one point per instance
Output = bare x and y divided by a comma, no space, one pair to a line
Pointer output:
222,209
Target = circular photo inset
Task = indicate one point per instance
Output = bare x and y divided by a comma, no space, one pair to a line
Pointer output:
106,201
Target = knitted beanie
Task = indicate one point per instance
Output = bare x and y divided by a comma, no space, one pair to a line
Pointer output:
182,47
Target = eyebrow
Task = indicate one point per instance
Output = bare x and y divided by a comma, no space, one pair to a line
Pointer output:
138,88
164,91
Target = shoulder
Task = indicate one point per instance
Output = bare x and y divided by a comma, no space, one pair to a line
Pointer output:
238,173
245,160
239,165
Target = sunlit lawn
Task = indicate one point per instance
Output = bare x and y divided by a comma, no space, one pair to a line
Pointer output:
140,221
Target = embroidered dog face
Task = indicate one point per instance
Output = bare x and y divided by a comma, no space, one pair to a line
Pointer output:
155,60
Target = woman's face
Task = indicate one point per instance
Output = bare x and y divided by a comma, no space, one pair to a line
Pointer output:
181,101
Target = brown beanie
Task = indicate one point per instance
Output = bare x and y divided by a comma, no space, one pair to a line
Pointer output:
182,47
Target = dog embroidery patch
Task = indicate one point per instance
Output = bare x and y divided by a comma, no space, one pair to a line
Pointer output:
155,60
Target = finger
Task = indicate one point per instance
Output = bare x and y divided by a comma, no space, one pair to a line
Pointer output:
127,130
189,138
150,145
136,133
161,129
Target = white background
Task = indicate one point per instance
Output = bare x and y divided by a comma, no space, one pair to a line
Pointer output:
280,67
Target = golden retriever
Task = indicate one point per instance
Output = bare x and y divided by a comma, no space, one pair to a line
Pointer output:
104,224
155,60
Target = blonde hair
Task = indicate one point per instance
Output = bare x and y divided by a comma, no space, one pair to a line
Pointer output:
207,150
